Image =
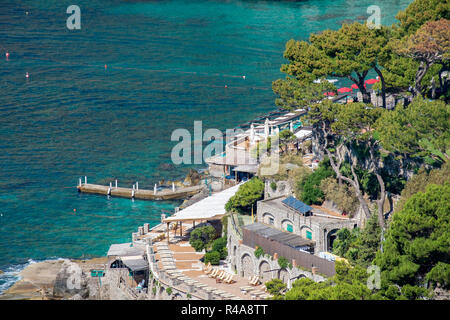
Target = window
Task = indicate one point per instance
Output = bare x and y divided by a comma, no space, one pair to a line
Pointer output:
289,228
308,235
271,221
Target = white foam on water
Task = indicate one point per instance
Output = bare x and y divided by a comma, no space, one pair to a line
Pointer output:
12,274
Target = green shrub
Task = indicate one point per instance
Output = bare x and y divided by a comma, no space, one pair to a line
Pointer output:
212,257
273,186
223,253
283,262
202,237
259,252
275,286
246,196
220,245
169,291
225,226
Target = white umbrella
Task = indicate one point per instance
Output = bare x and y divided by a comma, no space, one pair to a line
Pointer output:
266,128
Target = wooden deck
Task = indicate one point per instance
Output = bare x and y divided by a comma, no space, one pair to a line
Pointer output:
142,194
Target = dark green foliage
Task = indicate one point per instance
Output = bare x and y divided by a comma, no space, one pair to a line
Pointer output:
213,257
246,196
283,262
275,286
362,251
417,243
225,226
259,252
273,186
309,190
348,284
202,237
344,239
420,181
422,129
169,291
220,245
359,246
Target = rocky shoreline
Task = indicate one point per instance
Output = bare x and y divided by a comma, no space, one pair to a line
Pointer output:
46,280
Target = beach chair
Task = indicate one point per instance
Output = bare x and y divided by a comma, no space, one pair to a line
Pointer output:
251,280
208,268
255,281
207,265
245,289
214,273
221,275
230,279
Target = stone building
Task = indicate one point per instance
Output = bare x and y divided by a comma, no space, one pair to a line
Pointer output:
291,215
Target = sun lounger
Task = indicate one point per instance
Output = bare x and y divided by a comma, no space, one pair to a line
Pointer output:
245,289
251,280
222,276
214,273
230,279
206,267
257,293
255,281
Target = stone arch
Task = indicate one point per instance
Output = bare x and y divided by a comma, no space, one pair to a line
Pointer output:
304,232
247,265
285,223
265,266
267,218
331,236
284,275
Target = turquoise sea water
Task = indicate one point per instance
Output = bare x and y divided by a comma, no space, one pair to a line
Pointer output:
168,63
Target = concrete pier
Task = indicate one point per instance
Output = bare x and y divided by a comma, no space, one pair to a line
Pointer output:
166,194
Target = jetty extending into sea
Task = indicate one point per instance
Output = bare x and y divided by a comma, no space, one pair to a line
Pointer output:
136,193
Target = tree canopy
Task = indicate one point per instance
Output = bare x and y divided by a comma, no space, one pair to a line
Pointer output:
246,196
416,249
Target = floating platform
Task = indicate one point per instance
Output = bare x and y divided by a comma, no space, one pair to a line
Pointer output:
167,194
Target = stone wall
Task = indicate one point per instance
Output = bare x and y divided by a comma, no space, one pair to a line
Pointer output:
283,188
248,265
300,223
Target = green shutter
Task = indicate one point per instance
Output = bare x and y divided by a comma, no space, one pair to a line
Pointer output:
289,228
309,235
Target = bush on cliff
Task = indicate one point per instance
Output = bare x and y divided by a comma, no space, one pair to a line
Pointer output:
202,237
246,196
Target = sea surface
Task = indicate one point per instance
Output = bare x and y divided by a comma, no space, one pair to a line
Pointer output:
103,101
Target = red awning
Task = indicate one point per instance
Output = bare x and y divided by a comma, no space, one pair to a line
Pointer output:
372,81
331,93
354,86
342,90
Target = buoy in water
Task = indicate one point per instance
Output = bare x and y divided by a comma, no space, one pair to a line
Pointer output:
27,75
106,67
226,86
7,55
243,77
